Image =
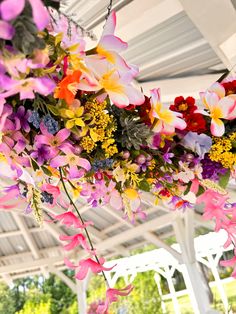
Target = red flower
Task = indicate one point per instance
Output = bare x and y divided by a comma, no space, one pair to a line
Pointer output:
230,87
185,106
195,123
144,110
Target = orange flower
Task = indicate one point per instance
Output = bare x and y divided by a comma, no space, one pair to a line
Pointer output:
68,87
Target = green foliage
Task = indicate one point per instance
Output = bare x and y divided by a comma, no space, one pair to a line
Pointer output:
7,305
143,299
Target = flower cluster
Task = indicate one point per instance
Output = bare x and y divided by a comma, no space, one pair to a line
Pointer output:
71,119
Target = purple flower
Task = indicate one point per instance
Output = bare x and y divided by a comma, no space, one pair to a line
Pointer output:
198,143
41,154
167,157
212,169
21,119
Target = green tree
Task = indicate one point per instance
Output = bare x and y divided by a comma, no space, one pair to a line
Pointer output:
7,303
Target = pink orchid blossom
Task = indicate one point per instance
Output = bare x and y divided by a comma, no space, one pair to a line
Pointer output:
109,45
214,207
117,85
218,107
70,220
10,10
112,296
27,87
167,120
86,264
73,161
56,142
75,240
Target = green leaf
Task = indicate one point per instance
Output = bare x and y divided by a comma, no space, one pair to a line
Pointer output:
201,190
144,185
53,109
188,188
46,171
34,164
224,179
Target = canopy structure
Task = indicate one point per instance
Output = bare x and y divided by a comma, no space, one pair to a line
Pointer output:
178,51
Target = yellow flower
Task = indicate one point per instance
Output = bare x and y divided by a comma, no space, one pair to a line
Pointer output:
73,117
87,144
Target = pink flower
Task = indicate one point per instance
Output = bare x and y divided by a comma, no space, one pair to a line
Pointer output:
73,161
53,190
75,240
70,220
86,264
112,296
109,45
218,107
118,86
56,142
27,87
10,10
167,120
214,207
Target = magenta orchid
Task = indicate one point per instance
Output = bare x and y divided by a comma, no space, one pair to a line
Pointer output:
112,296
86,264
70,220
75,240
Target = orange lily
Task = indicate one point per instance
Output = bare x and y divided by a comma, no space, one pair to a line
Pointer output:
68,87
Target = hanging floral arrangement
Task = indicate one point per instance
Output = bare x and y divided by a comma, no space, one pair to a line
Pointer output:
73,125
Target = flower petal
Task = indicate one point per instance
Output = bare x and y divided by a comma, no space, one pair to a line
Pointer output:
40,14
217,127
110,25
10,9
6,30
113,43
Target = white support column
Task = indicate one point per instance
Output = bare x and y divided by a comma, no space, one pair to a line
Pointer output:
213,262
192,276
171,286
158,282
81,296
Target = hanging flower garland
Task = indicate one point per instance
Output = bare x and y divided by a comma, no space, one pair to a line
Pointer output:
72,125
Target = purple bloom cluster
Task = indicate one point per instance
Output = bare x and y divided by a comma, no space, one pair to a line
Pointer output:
212,169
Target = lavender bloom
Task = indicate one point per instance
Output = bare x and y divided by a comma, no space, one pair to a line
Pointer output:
34,118
198,143
51,124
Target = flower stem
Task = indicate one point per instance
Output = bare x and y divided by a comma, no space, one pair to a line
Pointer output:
82,220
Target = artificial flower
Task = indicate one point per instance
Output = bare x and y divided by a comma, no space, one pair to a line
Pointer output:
75,240
112,296
218,109
68,87
165,120
69,219
85,264
198,143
